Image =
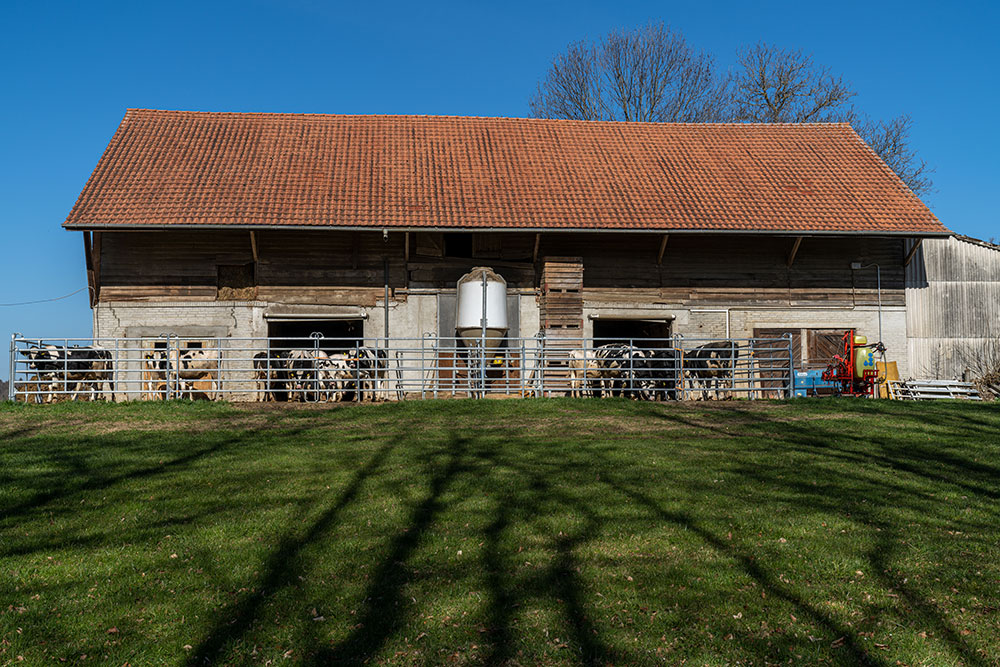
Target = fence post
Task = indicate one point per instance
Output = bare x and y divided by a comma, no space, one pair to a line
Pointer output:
732,369
423,366
114,371
631,367
170,364
315,335
357,374
541,364
65,373
520,370
790,391
13,365
681,389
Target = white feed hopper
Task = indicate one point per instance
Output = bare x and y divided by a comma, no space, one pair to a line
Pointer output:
470,307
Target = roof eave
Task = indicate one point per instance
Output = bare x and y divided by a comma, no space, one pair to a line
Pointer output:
507,229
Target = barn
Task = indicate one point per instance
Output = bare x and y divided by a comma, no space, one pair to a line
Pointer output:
256,225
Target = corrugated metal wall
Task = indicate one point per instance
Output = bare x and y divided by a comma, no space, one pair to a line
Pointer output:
952,306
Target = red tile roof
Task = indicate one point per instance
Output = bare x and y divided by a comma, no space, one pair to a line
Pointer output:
180,168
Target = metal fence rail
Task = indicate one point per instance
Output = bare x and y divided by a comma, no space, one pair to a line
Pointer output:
318,369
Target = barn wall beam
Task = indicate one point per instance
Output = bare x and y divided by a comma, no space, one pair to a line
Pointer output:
912,252
97,240
538,242
256,256
795,251
88,255
663,248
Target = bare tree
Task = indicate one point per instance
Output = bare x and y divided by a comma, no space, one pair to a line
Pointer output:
773,85
981,362
649,75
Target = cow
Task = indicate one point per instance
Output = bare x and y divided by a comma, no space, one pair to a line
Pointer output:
334,374
584,372
315,375
304,380
95,369
368,369
182,370
659,374
271,375
48,372
71,371
712,366
617,364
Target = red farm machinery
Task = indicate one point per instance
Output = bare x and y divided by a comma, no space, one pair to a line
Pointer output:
853,371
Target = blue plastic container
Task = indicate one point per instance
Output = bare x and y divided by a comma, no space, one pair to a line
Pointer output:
808,383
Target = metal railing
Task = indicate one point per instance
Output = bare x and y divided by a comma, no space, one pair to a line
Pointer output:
319,369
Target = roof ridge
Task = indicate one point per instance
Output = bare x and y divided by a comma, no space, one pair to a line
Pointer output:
457,117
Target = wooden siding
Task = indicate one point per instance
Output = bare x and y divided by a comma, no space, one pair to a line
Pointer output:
952,305
320,267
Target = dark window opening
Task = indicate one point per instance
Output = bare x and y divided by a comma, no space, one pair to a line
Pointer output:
641,333
335,335
458,245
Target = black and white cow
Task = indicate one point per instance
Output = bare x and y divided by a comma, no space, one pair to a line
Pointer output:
368,369
659,374
304,376
333,373
71,372
712,366
617,367
270,374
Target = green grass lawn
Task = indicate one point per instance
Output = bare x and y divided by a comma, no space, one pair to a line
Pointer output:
501,532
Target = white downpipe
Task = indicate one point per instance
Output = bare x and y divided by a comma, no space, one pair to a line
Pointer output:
716,310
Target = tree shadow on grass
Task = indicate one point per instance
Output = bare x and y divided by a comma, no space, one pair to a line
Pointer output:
82,478
748,564
501,601
278,570
859,496
560,582
384,605
879,557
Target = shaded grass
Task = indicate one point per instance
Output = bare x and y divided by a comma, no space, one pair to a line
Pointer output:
501,532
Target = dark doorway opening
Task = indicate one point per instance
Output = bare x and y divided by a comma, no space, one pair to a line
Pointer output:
335,335
641,333
331,336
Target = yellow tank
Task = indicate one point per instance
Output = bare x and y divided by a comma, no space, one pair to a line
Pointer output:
864,358
860,340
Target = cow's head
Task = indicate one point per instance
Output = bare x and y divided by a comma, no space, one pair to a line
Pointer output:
39,357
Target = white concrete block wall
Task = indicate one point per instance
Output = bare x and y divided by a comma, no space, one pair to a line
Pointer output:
417,315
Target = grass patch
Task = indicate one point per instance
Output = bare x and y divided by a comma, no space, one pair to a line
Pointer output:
501,532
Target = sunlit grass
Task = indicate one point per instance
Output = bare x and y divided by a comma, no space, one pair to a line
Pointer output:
505,532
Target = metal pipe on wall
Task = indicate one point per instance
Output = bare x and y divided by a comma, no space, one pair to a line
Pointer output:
385,301
385,298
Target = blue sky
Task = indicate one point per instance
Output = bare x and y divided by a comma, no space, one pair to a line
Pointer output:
70,69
